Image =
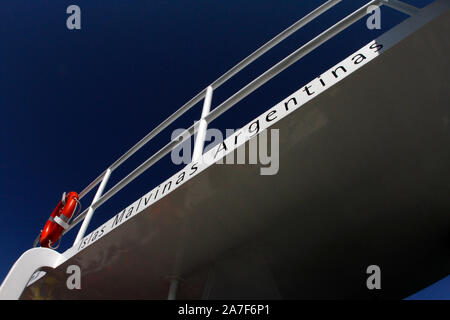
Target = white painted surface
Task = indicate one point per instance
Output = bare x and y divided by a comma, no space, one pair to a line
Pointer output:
21,272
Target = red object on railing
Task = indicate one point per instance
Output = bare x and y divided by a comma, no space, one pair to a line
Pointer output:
59,219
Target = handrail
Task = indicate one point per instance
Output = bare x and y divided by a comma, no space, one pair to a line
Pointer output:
289,60
216,84
227,104
404,7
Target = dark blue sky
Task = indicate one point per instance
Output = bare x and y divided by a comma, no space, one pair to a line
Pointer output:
73,101
439,290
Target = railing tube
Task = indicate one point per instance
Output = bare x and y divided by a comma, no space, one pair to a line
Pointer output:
401,6
217,83
289,60
208,116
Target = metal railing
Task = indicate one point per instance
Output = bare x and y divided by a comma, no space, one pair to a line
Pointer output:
208,116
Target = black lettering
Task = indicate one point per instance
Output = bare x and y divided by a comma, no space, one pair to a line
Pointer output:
156,194
270,114
321,81
377,46
83,243
335,71
306,89
102,230
139,203
167,184
118,218
94,236
224,147
359,58
286,104
146,200
193,167
236,137
130,211
250,130
180,178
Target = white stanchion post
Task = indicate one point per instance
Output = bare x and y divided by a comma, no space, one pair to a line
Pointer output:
198,152
203,126
91,210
